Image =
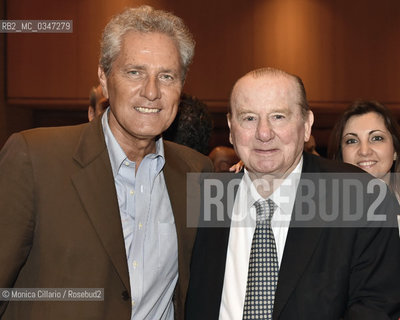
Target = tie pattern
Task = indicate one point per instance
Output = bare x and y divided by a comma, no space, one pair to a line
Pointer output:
263,271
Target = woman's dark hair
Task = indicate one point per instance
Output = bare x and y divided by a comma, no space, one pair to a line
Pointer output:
360,108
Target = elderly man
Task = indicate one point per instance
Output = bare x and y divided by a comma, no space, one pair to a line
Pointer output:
103,204
282,255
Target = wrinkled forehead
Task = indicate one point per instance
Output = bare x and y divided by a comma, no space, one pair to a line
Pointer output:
256,92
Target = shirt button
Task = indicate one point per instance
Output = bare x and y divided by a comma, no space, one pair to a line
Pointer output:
131,192
126,163
134,264
125,295
140,226
133,303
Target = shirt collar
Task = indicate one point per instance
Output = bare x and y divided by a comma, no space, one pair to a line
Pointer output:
284,196
118,156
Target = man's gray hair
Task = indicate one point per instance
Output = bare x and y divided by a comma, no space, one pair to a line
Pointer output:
145,19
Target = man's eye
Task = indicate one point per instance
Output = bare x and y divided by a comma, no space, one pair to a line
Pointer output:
133,72
250,118
278,116
167,77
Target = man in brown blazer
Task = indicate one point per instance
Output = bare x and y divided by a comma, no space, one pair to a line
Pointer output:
103,204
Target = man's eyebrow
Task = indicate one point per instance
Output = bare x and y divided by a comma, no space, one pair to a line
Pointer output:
143,67
282,110
168,71
135,66
241,111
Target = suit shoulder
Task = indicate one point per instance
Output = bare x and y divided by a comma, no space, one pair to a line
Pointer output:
53,133
50,140
196,161
313,163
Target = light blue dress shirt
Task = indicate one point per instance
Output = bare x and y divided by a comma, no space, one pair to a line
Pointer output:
149,229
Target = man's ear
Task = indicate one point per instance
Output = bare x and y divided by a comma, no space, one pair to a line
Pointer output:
90,113
103,81
228,118
308,122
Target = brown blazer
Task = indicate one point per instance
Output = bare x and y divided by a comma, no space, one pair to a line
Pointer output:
60,225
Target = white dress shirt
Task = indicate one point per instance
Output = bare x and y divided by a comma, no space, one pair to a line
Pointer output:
241,236
148,227
398,222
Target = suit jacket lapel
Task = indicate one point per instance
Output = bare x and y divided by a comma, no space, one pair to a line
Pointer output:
96,189
215,241
299,247
175,179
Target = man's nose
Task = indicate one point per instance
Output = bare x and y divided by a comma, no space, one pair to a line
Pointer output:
264,131
151,89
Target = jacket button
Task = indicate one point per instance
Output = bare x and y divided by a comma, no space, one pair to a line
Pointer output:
125,295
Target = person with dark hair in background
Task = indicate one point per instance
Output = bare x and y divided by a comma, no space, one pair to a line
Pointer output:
368,136
103,204
282,245
192,125
98,103
310,146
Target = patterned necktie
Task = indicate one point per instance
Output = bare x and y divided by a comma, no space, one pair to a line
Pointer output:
263,266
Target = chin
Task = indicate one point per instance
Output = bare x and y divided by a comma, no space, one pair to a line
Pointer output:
265,170
379,175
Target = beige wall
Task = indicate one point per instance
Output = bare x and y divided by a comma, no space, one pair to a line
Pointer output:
342,49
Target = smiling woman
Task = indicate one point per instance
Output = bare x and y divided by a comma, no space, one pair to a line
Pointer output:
368,136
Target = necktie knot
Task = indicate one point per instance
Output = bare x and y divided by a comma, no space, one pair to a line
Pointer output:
264,210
